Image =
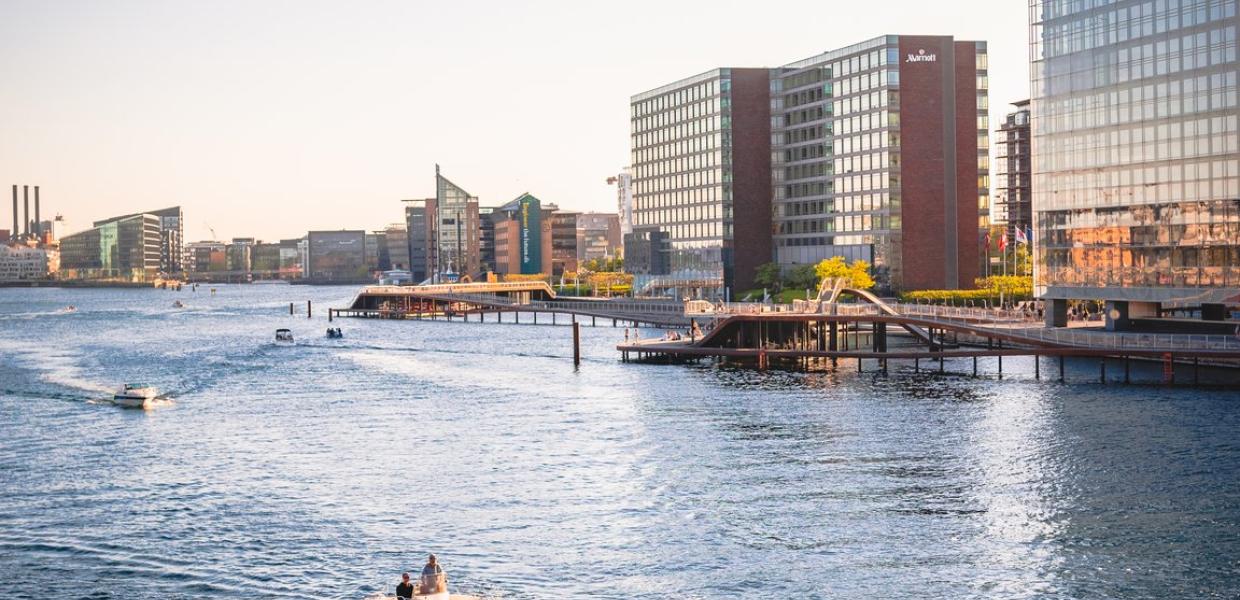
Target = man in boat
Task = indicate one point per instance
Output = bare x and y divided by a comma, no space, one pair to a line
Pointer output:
432,576
404,589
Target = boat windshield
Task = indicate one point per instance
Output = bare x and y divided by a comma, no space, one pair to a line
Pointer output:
135,386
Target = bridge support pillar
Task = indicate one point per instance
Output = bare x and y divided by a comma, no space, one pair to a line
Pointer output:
1056,313
834,336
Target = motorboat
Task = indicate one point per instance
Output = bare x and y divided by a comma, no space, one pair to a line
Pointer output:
284,336
178,304
334,333
135,395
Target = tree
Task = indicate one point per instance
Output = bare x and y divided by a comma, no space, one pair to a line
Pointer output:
768,276
802,277
856,275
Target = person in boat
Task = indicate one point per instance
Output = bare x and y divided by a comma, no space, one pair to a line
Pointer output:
431,574
404,589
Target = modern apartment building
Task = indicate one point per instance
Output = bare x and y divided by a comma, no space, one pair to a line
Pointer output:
1136,168
419,223
171,237
701,168
598,236
875,151
1011,184
523,236
455,229
338,256
879,153
124,248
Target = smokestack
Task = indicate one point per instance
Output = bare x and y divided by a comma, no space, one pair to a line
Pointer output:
26,200
38,224
13,235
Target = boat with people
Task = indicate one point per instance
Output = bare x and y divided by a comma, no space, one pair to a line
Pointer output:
334,333
284,336
178,304
135,395
431,584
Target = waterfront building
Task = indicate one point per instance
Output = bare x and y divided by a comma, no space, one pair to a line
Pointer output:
1136,169
265,260
396,244
647,251
291,258
880,154
455,229
171,237
206,256
1012,190
523,236
598,236
6,236
486,239
701,166
624,198
122,248
338,256
419,224
240,255
28,262
563,243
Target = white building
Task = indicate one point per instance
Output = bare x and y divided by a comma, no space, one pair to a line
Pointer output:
22,263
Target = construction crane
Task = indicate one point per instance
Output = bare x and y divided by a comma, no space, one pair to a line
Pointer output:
214,237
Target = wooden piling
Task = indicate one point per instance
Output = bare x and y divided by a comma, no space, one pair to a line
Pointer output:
290,308
576,343
309,310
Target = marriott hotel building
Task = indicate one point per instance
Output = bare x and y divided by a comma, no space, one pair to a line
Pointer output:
875,151
1136,169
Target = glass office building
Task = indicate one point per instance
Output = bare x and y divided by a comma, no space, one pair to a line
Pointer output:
879,153
1136,169
701,180
455,230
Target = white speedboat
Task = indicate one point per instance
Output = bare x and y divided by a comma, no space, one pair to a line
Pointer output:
284,336
135,395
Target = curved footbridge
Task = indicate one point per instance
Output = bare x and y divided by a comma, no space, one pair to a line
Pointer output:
474,301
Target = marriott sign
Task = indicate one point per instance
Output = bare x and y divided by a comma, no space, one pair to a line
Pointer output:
921,56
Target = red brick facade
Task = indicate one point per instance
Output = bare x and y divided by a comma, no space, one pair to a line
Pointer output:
938,170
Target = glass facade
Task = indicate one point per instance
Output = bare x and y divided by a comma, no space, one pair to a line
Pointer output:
682,174
125,248
338,256
835,145
455,228
1136,183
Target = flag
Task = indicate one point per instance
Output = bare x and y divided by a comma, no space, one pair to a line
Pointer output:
1020,237
987,242
1003,242
1030,234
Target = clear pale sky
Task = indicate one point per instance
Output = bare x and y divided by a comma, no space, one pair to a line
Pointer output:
267,119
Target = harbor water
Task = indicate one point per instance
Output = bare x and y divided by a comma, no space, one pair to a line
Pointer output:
326,468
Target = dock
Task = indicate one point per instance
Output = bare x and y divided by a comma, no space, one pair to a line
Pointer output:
478,301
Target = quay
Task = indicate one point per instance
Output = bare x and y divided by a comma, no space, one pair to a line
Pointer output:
474,301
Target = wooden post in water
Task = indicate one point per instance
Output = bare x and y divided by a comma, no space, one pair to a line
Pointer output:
1037,367
576,343
329,315
309,310
1102,366
290,308
1061,368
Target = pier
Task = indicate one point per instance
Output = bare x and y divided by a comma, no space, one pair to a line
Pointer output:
475,301
807,332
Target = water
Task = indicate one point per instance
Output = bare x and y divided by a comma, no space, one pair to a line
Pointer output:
327,468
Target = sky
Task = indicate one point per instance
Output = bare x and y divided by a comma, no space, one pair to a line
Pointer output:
268,118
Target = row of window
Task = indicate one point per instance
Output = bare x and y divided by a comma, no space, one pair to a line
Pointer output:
714,142
1058,33
665,135
680,115
701,91
691,162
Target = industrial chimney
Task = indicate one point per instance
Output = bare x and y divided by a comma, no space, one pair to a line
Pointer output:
13,235
26,201
38,224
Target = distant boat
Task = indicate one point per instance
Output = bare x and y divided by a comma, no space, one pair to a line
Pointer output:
178,304
71,308
284,336
135,395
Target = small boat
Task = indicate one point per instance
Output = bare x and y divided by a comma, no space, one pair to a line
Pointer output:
284,336
334,333
135,395
70,308
177,304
